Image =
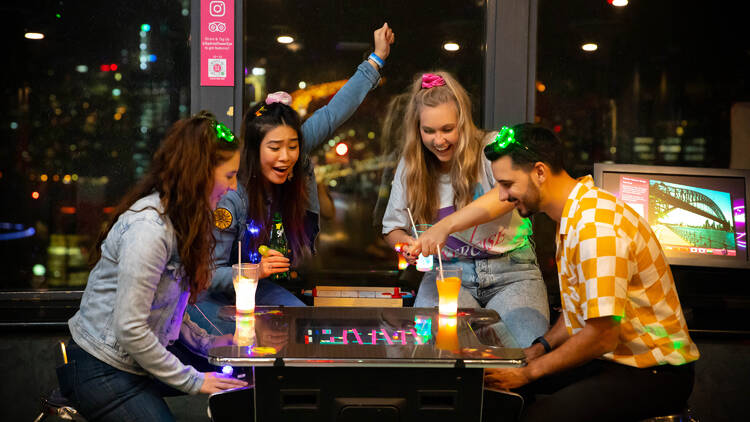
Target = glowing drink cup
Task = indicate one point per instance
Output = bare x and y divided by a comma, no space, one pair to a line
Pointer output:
245,279
448,288
424,263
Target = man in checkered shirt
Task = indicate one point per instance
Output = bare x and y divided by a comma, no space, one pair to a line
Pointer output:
621,350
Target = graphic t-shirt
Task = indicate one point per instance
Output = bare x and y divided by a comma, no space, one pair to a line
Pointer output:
508,232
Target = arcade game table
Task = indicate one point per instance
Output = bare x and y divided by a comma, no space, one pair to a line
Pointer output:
347,364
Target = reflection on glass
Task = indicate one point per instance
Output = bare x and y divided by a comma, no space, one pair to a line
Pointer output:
329,42
244,331
447,335
85,106
640,96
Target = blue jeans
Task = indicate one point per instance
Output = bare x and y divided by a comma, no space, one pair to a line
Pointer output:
102,392
511,284
206,310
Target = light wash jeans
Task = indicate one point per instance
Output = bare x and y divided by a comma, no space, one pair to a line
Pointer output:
511,285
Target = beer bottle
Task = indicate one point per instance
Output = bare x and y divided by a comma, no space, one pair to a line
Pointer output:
278,242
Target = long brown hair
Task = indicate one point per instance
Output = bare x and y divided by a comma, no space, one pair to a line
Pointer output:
422,167
291,195
182,172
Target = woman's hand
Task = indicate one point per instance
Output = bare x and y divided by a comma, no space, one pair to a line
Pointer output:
384,37
213,382
273,262
406,250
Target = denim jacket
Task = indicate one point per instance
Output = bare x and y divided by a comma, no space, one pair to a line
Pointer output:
316,129
135,299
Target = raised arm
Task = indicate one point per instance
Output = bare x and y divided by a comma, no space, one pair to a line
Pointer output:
327,119
483,209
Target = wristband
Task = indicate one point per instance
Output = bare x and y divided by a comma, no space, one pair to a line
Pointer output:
543,341
374,57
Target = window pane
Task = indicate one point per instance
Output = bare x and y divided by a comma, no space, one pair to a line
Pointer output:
659,89
329,40
84,107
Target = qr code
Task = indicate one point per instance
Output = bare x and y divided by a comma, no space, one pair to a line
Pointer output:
217,68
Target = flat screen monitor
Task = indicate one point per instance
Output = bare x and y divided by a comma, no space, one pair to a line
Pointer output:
698,214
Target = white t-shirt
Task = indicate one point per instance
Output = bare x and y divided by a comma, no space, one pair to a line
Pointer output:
508,232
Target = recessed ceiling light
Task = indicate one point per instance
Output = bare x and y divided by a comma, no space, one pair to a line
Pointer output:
451,46
589,47
285,39
34,35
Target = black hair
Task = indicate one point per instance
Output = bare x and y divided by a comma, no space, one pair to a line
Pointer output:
292,195
534,143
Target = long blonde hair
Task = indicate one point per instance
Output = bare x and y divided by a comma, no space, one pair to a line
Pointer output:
422,167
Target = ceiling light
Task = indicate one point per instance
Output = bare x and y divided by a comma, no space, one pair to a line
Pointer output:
34,35
451,46
618,3
589,47
285,39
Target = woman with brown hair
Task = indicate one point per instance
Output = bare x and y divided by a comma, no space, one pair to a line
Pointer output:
442,169
153,258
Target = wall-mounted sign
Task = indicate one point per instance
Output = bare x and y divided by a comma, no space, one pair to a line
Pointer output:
217,42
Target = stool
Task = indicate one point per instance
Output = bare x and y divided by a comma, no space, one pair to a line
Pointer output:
56,403
686,415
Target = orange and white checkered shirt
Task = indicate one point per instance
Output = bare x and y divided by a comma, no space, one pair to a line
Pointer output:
610,263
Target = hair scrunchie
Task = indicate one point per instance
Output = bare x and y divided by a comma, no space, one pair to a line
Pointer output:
430,80
279,97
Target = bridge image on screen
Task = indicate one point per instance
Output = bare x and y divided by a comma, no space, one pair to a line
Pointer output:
691,218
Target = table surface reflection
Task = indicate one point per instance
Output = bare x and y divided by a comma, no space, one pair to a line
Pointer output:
350,336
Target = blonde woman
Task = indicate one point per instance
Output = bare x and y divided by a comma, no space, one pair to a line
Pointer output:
442,169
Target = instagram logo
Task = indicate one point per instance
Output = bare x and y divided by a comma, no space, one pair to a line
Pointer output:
217,8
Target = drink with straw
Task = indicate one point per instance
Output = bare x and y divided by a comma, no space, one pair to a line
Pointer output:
424,263
448,285
245,280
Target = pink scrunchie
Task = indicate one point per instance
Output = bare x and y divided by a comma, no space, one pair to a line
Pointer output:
430,80
279,97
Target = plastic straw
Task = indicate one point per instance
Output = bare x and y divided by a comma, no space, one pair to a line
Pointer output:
440,260
239,254
414,226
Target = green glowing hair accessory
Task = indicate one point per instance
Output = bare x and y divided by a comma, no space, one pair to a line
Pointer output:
223,132
503,143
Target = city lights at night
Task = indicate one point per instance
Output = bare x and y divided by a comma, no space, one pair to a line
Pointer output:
111,103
